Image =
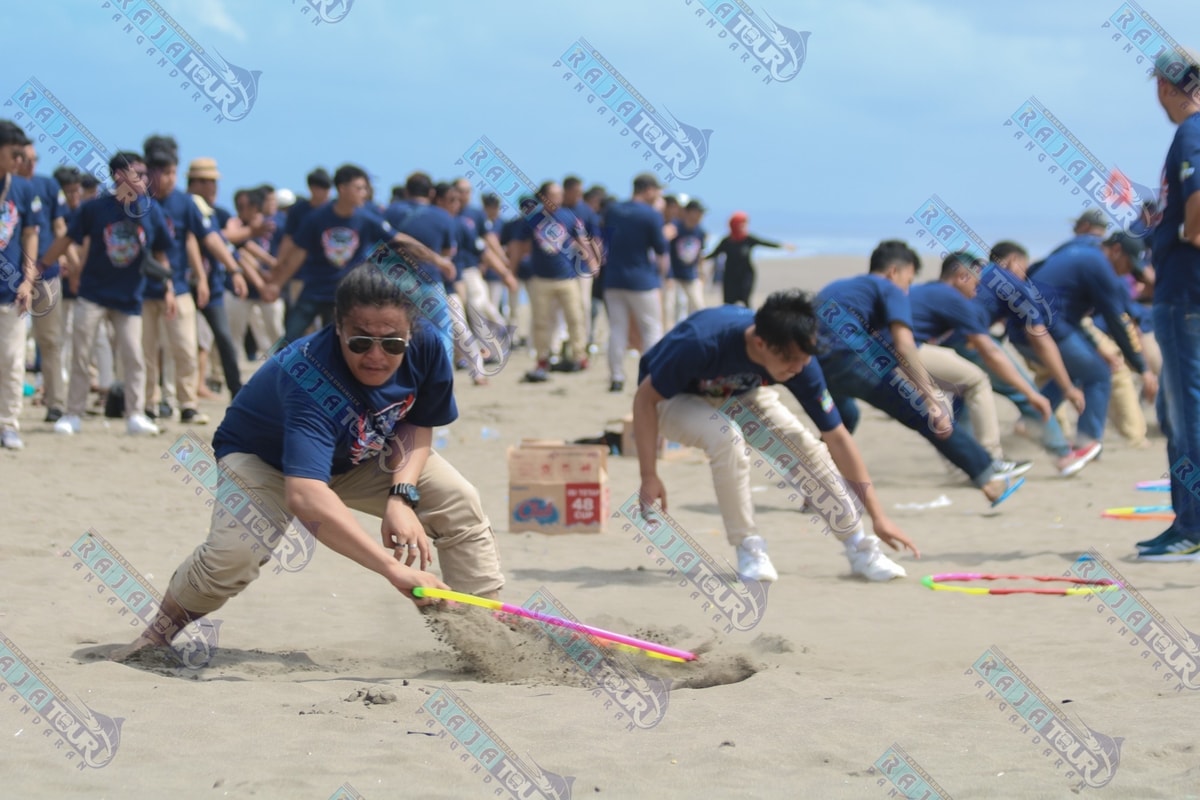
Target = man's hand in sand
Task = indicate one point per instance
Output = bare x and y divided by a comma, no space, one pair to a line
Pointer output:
891,535
651,491
406,578
403,534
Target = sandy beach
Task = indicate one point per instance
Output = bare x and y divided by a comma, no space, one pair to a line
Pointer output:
325,676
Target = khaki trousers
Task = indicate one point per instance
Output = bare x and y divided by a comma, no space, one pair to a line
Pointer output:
955,374
127,330
546,297
48,315
181,340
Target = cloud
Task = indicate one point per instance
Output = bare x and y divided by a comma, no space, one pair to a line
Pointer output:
210,14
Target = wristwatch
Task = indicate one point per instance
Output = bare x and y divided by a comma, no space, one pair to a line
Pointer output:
406,492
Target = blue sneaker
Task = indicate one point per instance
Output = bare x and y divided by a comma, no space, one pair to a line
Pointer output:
1157,540
1179,547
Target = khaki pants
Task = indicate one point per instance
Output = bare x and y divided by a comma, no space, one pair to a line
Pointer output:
546,297
955,374
1125,403
181,338
626,308
127,330
450,512
12,365
688,419
673,310
48,315
265,321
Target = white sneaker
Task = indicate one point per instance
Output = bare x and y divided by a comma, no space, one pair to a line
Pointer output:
11,439
753,562
867,560
67,425
139,424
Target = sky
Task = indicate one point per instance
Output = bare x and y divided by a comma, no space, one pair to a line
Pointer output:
895,101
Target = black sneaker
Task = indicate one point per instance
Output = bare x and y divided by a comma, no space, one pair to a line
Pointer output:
53,415
617,386
535,376
190,416
566,365
150,415
164,410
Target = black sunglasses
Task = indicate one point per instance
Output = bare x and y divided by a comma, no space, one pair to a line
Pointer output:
392,345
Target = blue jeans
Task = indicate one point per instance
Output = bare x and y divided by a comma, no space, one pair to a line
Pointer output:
1177,328
1053,438
1090,372
301,315
847,377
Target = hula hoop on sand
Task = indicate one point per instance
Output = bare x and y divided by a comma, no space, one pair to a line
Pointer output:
1080,585
1160,513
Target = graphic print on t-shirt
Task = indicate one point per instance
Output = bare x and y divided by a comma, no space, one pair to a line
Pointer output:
551,235
688,248
340,245
123,242
8,223
372,430
728,385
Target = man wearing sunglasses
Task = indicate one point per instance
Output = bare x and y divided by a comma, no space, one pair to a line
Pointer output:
343,419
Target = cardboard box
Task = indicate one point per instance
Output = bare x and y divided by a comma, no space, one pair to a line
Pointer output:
554,487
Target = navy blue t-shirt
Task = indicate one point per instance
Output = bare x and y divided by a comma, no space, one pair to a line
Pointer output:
553,238
632,230
433,227
1177,263
215,270
872,299
474,226
508,233
397,211
296,215
182,217
1004,297
939,310
111,274
304,413
335,244
591,220
49,204
16,214
706,355
686,249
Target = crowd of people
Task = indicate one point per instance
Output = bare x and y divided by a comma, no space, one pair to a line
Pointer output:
162,276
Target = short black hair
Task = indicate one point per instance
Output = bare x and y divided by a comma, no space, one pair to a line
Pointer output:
443,190
1002,250
256,197
419,185
893,251
161,151
571,182
788,317
644,181
67,176
11,133
399,192
595,191
267,189
88,181
368,285
671,200
347,173
963,260
124,160
490,200
544,188
319,179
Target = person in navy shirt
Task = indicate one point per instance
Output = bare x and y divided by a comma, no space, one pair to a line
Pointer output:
20,213
871,355
686,249
632,277
942,309
432,226
343,420
480,249
330,241
711,372
120,227
320,185
1175,245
